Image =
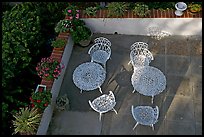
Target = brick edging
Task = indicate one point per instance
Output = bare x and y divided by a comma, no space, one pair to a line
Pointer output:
56,54
169,13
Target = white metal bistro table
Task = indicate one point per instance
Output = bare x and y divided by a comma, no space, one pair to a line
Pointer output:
148,81
89,76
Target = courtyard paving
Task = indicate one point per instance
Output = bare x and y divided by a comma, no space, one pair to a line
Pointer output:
180,105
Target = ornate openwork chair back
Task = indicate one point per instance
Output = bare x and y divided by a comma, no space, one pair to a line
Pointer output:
103,103
138,45
140,57
100,53
103,41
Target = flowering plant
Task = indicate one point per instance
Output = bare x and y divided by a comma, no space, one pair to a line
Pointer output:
41,98
49,68
63,26
72,12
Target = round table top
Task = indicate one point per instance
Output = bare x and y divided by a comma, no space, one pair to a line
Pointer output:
148,80
89,76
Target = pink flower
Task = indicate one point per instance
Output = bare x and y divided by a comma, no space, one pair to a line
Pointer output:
69,11
70,18
77,10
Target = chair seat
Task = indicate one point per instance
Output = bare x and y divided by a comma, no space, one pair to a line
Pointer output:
140,60
104,103
144,115
100,56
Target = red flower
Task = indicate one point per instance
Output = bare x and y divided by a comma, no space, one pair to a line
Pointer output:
32,105
38,101
46,104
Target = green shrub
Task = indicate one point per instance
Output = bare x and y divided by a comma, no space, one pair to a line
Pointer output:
161,5
21,36
59,43
141,10
117,9
91,11
80,33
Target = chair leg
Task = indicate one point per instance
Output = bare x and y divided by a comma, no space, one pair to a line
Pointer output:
100,89
100,116
114,111
152,127
104,66
152,99
135,126
129,62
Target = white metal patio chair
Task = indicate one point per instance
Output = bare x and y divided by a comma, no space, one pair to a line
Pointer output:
140,57
103,103
100,53
103,41
138,45
145,115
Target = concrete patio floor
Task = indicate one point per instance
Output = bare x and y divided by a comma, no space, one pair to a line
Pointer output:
180,105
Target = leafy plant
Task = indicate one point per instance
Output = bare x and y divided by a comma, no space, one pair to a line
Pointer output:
58,43
63,26
41,99
72,12
141,9
26,121
117,9
80,33
91,11
161,5
49,68
195,7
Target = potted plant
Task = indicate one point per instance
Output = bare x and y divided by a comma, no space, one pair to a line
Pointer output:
195,7
49,68
62,102
26,121
41,98
59,43
81,35
63,26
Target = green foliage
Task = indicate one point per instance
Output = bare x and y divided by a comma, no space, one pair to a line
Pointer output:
49,68
91,11
141,9
26,28
63,26
195,7
80,33
21,33
26,121
41,99
161,5
58,43
117,8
